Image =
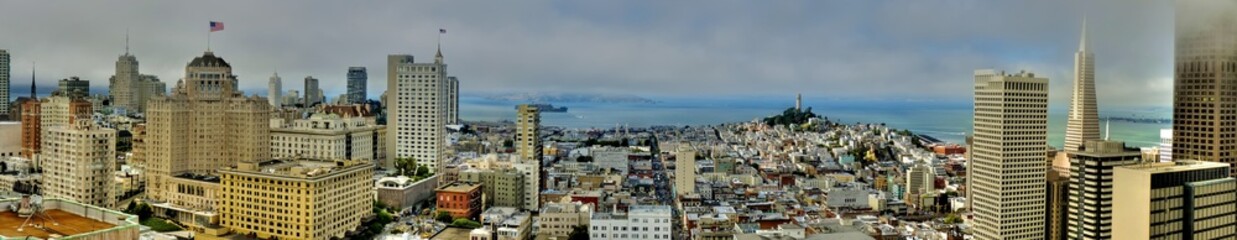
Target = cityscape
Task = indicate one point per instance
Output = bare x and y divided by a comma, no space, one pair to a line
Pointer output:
872,120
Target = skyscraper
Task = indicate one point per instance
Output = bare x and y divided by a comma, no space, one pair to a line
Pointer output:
274,91
527,142
129,88
1203,93
4,81
1010,122
1174,200
1090,188
205,124
453,100
1083,120
415,113
313,94
358,78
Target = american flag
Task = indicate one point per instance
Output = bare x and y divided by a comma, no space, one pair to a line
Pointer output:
216,26
442,30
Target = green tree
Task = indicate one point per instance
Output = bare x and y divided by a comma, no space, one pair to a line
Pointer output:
444,217
579,233
465,223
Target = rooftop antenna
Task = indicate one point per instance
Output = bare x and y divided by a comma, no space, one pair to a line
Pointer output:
126,41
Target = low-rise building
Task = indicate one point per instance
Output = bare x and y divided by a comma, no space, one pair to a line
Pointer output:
296,199
558,219
461,200
328,136
402,192
639,222
507,223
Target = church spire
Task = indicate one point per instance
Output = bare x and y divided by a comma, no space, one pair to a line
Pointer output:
438,57
33,70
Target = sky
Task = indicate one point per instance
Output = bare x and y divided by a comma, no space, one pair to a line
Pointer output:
878,50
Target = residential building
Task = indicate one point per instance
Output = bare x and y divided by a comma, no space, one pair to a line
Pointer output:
415,117
639,222
296,198
1090,188
1083,121
527,138
453,100
274,91
74,220
559,219
508,223
313,94
74,86
1174,200
39,116
685,170
501,187
1166,145
1202,96
462,200
328,136
358,78
1057,201
9,145
920,182
204,125
78,161
1008,157
532,184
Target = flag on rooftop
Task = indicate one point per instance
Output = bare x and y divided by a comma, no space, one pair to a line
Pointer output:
216,26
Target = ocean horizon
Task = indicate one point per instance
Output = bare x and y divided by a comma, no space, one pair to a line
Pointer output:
947,121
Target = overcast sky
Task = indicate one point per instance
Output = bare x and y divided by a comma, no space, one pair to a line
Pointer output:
892,50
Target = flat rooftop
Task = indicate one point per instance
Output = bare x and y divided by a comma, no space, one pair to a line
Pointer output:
70,224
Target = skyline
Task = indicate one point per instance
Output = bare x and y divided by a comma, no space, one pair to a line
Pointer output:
572,47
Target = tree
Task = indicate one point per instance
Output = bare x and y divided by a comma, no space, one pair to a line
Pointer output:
465,223
444,217
579,233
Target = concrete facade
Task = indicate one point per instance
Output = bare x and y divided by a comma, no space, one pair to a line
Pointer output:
328,136
1203,97
415,113
296,199
1008,157
1174,200
78,161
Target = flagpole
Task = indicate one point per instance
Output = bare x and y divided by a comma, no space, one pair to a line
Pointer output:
208,40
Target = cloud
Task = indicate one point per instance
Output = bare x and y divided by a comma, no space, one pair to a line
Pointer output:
846,49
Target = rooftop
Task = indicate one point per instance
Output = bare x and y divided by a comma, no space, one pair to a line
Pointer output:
97,220
459,187
209,60
300,168
1175,166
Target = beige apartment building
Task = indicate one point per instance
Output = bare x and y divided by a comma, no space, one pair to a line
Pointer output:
203,125
328,136
500,187
559,219
685,170
527,144
1174,200
78,162
1007,161
416,110
129,88
296,199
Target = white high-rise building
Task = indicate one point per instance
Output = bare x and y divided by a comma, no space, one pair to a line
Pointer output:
1083,121
685,170
920,180
532,183
274,91
1010,143
4,83
1166,145
416,119
78,163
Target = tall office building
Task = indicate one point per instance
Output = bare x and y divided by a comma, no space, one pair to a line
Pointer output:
416,118
274,91
205,124
313,94
527,138
453,100
358,78
1090,188
1083,120
74,86
78,162
1174,200
685,170
129,88
1203,93
1011,122
4,81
